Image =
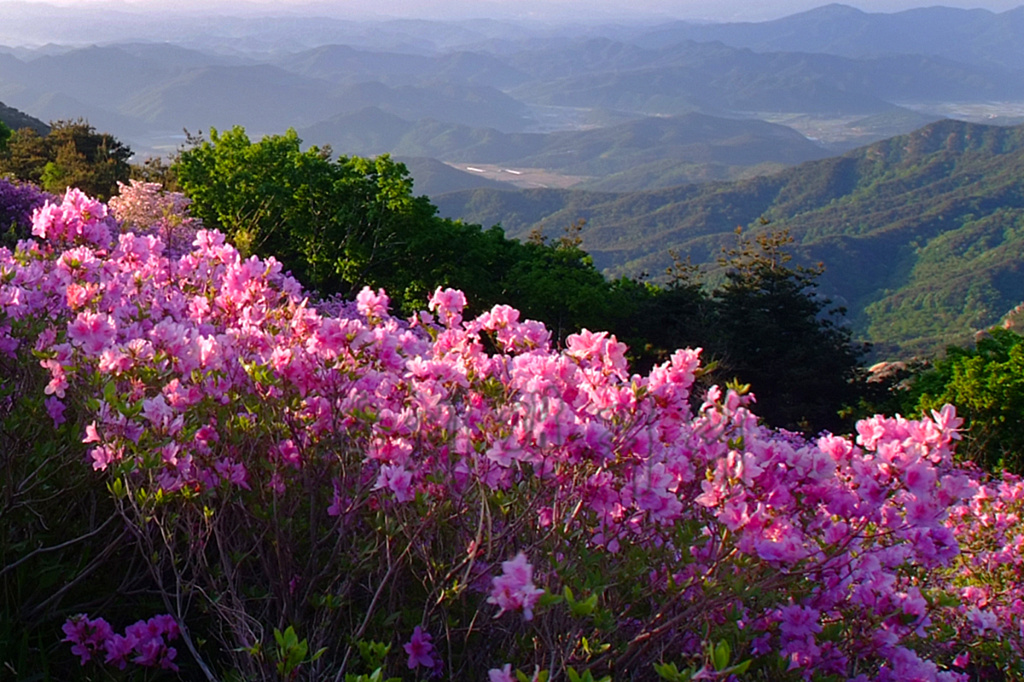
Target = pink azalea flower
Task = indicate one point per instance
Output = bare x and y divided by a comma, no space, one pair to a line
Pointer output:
420,649
501,675
93,332
372,304
88,637
449,303
514,590
397,480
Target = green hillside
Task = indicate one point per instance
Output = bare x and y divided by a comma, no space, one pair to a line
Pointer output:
920,234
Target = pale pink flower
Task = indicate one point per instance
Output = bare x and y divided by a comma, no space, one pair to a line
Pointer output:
514,590
372,304
449,304
501,675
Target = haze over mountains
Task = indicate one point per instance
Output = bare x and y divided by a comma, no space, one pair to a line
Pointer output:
808,119
447,90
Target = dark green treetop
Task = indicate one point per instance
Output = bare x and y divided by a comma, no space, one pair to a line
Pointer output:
72,154
771,330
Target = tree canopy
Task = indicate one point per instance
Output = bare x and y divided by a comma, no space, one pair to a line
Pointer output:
986,383
72,154
773,331
339,225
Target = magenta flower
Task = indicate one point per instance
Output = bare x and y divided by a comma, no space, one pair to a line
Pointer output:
397,480
88,637
55,408
420,649
449,304
372,304
514,590
93,332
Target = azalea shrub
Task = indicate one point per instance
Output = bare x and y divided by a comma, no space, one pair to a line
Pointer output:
17,202
322,491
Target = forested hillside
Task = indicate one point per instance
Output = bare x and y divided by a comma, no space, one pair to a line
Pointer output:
920,234
15,119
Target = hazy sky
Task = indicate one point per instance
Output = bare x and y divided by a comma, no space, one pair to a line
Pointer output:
734,10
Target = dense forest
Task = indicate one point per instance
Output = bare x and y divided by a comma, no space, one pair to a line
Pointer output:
920,233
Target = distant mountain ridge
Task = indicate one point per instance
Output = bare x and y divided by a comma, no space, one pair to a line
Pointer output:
921,234
683,148
972,36
147,81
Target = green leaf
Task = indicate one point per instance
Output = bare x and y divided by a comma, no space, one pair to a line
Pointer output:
741,668
110,392
720,657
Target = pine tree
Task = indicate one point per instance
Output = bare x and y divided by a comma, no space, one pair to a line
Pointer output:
773,332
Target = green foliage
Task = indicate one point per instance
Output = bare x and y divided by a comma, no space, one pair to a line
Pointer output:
63,550
336,225
5,135
340,225
72,154
986,383
292,653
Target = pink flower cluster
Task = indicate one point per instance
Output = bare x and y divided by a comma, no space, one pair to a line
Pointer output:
144,643
79,219
145,208
212,376
514,590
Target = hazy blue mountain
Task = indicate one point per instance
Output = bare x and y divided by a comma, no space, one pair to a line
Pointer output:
262,97
606,105
921,234
471,105
348,65
96,75
176,57
713,77
974,36
691,138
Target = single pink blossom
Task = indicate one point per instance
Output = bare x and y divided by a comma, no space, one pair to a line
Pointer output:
504,674
420,649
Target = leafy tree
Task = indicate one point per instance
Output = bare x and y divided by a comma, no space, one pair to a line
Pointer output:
986,383
772,331
25,155
339,225
73,154
155,169
558,283
5,134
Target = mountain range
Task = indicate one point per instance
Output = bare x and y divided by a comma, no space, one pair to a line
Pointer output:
921,234
447,90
